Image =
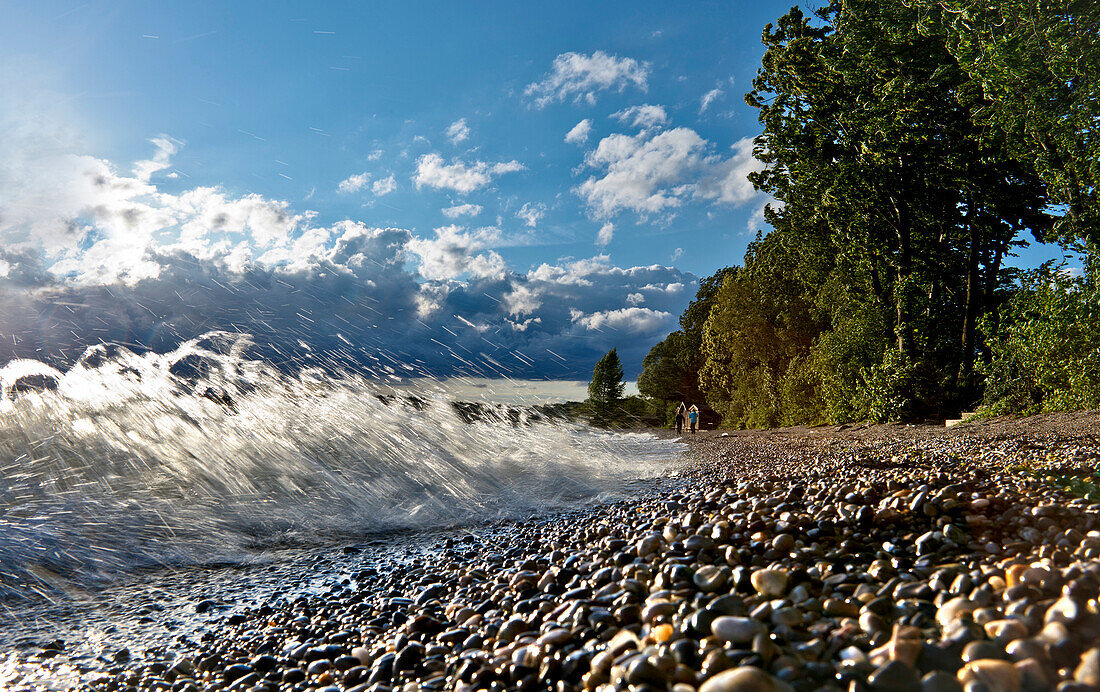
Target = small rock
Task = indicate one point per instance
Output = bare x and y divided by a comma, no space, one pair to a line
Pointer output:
736,630
769,582
744,679
1034,675
954,609
940,681
1088,671
979,650
640,671
1006,630
840,607
236,671
710,579
1064,610
783,542
894,676
995,675
649,545
362,654
554,637
905,645
511,629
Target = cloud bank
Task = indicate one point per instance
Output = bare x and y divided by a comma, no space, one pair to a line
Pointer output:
91,254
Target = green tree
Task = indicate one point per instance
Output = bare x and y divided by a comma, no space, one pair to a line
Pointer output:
670,371
758,338
605,391
1044,351
871,145
1036,62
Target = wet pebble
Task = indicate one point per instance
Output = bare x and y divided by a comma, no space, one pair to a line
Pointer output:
744,679
736,630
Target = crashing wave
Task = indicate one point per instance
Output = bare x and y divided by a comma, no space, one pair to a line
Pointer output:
201,453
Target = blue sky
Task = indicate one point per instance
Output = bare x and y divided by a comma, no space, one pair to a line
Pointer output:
531,180
290,100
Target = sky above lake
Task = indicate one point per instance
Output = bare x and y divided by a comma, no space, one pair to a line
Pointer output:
492,188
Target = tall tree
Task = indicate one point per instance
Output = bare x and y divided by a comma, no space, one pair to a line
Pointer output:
871,146
758,338
605,391
1036,62
670,371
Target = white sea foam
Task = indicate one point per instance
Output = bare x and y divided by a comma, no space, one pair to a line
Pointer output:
203,454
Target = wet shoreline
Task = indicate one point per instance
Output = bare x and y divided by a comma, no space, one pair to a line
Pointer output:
888,558
66,636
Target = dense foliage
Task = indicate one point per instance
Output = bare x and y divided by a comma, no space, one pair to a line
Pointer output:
757,340
670,370
910,146
1045,349
1037,63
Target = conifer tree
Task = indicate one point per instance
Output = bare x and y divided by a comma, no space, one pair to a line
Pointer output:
605,391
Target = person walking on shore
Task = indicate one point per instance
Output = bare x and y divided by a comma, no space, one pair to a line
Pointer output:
693,416
680,411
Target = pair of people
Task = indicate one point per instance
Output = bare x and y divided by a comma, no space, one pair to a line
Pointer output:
690,414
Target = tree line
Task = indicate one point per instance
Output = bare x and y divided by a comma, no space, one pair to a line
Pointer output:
909,147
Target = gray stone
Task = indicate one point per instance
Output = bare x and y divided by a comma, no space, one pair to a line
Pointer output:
737,630
940,681
894,676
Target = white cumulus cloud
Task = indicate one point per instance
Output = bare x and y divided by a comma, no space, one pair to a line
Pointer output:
162,159
642,173
462,210
208,211
579,77
458,131
531,213
455,252
524,299
726,180
384,186
580,132
643,117
354,183
433,171
607,232
631,320
656,172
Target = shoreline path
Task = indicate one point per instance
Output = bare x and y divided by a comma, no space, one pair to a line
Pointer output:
865,557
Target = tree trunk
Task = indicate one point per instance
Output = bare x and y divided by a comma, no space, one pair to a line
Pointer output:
903,289
991,273
993,270
974,294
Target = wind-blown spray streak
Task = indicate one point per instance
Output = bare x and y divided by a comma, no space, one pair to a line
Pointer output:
202,454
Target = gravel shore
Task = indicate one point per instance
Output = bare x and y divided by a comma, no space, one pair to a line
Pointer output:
867,557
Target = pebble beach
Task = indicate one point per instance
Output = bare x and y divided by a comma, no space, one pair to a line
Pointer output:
862,558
